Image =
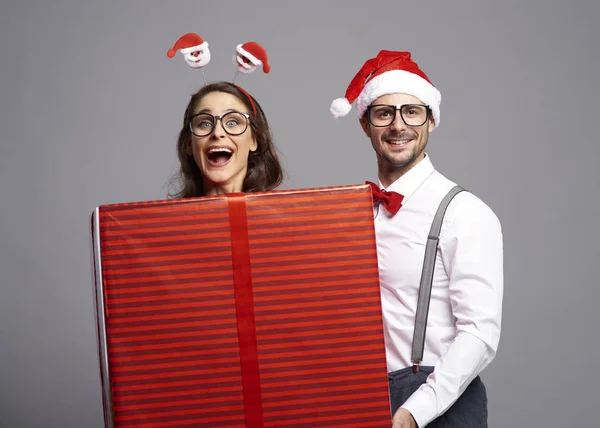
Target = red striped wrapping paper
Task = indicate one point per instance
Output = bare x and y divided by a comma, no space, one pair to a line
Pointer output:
257,310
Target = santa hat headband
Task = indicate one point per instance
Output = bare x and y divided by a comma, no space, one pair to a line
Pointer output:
250,55
188,43
247,58
389,72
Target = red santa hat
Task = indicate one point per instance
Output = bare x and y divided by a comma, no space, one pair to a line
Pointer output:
255,53
389,73
187,43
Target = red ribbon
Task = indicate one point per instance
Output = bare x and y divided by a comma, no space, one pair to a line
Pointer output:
244,305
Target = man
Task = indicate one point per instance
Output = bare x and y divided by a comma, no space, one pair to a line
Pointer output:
398,107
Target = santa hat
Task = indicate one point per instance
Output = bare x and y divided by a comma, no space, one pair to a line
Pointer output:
388,73
188,43
255,53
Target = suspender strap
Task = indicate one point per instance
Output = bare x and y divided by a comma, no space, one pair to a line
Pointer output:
427,279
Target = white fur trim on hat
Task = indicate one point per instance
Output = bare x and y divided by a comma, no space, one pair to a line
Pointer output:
400,81
248,55
193,48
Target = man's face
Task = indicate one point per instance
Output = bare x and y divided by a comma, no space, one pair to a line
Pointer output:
398,146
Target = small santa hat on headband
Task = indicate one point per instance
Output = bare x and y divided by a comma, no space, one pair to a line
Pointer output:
389,73
249,56
189,42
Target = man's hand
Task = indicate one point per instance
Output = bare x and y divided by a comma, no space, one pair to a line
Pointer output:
403,419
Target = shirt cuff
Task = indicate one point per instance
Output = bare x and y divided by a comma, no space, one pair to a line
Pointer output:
466,357
421,406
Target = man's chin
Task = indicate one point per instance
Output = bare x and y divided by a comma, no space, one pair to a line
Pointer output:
399,158
398,161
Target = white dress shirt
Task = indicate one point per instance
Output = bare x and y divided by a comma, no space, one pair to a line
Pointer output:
463,327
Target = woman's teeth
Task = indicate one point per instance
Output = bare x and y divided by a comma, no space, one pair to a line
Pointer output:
219,149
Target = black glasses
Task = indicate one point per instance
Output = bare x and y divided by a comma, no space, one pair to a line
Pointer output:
381,115
234,123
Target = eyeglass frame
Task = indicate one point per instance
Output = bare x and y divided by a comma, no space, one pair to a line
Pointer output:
398,108
216,119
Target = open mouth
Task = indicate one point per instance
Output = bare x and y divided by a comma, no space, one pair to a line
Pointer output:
219,156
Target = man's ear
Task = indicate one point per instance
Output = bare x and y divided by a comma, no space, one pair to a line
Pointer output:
365,125
431,124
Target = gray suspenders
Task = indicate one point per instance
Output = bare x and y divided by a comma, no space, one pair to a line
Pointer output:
427,279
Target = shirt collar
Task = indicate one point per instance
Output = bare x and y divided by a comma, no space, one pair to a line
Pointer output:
412,179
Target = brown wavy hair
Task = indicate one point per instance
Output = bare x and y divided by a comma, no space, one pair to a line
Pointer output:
264,170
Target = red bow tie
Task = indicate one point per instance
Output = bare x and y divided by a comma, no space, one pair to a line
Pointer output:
392,201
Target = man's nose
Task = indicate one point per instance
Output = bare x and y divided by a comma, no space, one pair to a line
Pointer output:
398,122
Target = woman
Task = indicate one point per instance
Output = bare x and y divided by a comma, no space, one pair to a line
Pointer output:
225,144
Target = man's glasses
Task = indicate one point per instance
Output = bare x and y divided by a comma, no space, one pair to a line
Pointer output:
234,123
381,115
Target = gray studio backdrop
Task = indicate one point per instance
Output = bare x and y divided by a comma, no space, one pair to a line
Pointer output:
91,107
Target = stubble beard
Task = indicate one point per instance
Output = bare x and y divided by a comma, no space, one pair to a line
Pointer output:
393,166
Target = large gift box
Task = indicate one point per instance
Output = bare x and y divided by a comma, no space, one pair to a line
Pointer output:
241,310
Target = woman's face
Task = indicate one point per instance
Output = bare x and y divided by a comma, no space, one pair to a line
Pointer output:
221,157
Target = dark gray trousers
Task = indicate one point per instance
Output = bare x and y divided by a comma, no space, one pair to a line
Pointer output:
469,411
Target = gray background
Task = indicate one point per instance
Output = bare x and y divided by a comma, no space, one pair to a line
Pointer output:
91,107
